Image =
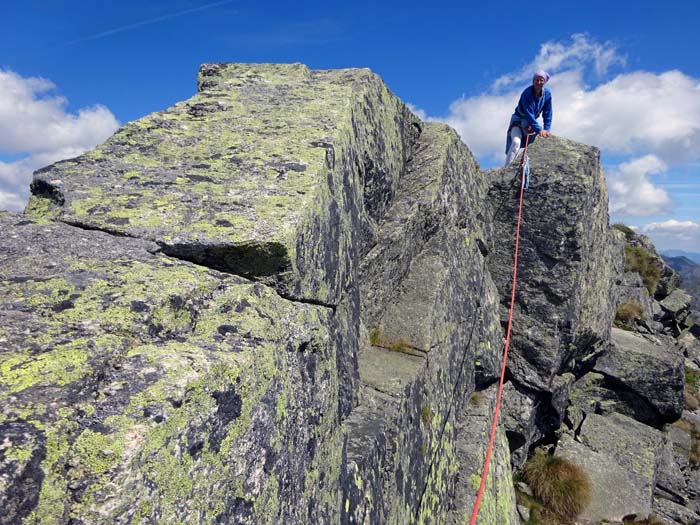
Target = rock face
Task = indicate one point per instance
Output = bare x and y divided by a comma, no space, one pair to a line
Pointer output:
133,382
203,282
568,260
283,301
620,457
429,308
226,179
498,505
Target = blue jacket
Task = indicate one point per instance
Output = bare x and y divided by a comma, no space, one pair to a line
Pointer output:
529,109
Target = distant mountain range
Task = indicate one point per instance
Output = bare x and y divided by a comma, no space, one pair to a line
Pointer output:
689,271
695,257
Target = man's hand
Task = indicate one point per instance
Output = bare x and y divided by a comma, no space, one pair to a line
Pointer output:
544,133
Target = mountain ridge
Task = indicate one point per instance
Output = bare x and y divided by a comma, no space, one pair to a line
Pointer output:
284,300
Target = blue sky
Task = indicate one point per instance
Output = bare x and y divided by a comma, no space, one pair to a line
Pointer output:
625,77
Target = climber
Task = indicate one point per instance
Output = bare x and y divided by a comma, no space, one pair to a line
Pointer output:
536,100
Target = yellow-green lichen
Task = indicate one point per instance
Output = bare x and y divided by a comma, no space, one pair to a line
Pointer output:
63,365
98,452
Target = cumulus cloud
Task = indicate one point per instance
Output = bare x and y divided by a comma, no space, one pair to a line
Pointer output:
631,191
36,127
672,233
556,56
633,113
8,200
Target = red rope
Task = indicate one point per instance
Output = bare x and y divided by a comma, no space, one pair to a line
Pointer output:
494,424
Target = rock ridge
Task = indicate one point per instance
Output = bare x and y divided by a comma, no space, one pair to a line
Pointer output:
283,300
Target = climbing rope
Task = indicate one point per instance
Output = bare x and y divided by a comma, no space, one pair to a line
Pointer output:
524,177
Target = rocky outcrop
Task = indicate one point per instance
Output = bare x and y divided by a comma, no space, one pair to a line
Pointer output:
568,258
689,272
277,241
568,261
287,193
429,310
283,301
641,376
137,386
281,200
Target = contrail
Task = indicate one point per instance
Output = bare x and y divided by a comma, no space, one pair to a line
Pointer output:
149,21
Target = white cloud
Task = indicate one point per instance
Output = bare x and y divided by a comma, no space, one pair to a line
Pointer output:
673,234
634,112
555,56
35,124
8,200
631,191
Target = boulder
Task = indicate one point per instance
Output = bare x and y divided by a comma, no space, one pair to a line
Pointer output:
135,384
692,323
271,171
676,303
677,514
597,393
620,456
569,260
650,367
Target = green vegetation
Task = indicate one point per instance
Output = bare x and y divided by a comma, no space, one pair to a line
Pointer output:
649,267
629,232
426,415
561,486
691,388
627,314
476,399
377,338
692,378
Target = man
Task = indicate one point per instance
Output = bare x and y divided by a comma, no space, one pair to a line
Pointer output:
536,100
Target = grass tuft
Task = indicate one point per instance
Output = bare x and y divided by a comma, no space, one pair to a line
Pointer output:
562,486
377,338
629,232
628,313
646,265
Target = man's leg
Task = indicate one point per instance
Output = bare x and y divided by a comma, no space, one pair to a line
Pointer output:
516,137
